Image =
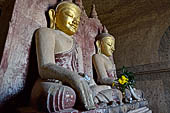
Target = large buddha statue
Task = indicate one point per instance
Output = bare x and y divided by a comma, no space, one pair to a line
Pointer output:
60,59
57,53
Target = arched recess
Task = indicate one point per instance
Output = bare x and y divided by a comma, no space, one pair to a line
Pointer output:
164,47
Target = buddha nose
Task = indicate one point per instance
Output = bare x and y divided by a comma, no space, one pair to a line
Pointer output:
113,48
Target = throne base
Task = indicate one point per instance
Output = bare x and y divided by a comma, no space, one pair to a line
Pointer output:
135,107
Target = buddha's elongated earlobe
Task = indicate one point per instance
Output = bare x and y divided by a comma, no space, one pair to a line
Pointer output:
98,45
52,16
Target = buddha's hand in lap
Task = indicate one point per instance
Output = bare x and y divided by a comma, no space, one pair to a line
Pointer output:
85,92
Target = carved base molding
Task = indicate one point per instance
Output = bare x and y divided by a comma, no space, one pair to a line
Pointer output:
110,109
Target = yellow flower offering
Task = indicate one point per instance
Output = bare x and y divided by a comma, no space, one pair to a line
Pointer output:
123,80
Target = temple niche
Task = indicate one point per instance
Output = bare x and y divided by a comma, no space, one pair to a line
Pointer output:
140,28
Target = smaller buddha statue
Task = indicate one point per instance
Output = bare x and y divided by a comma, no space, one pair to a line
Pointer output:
104,65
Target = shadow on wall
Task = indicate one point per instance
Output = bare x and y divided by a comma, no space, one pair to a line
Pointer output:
0,11
22,98
6,9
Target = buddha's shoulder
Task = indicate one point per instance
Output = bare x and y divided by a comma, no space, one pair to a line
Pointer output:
45,30
100,57
97,56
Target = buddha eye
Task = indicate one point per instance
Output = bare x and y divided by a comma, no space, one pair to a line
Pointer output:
69,14
109,44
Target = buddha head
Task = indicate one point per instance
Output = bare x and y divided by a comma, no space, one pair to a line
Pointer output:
66,17
105,44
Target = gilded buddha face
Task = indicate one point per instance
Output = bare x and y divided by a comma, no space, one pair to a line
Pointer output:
68,17
107,46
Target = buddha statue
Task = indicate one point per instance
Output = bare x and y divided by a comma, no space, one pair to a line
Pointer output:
60,64
57,54
105,67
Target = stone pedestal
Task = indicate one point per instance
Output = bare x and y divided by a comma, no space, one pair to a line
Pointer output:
109,109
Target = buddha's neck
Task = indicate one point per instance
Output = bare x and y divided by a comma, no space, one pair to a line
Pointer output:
64,34
105,56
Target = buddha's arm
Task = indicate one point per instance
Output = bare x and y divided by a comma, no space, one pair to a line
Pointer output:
45,44
101,70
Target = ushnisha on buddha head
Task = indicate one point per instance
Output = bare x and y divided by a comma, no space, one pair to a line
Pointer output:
66,17
105,43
